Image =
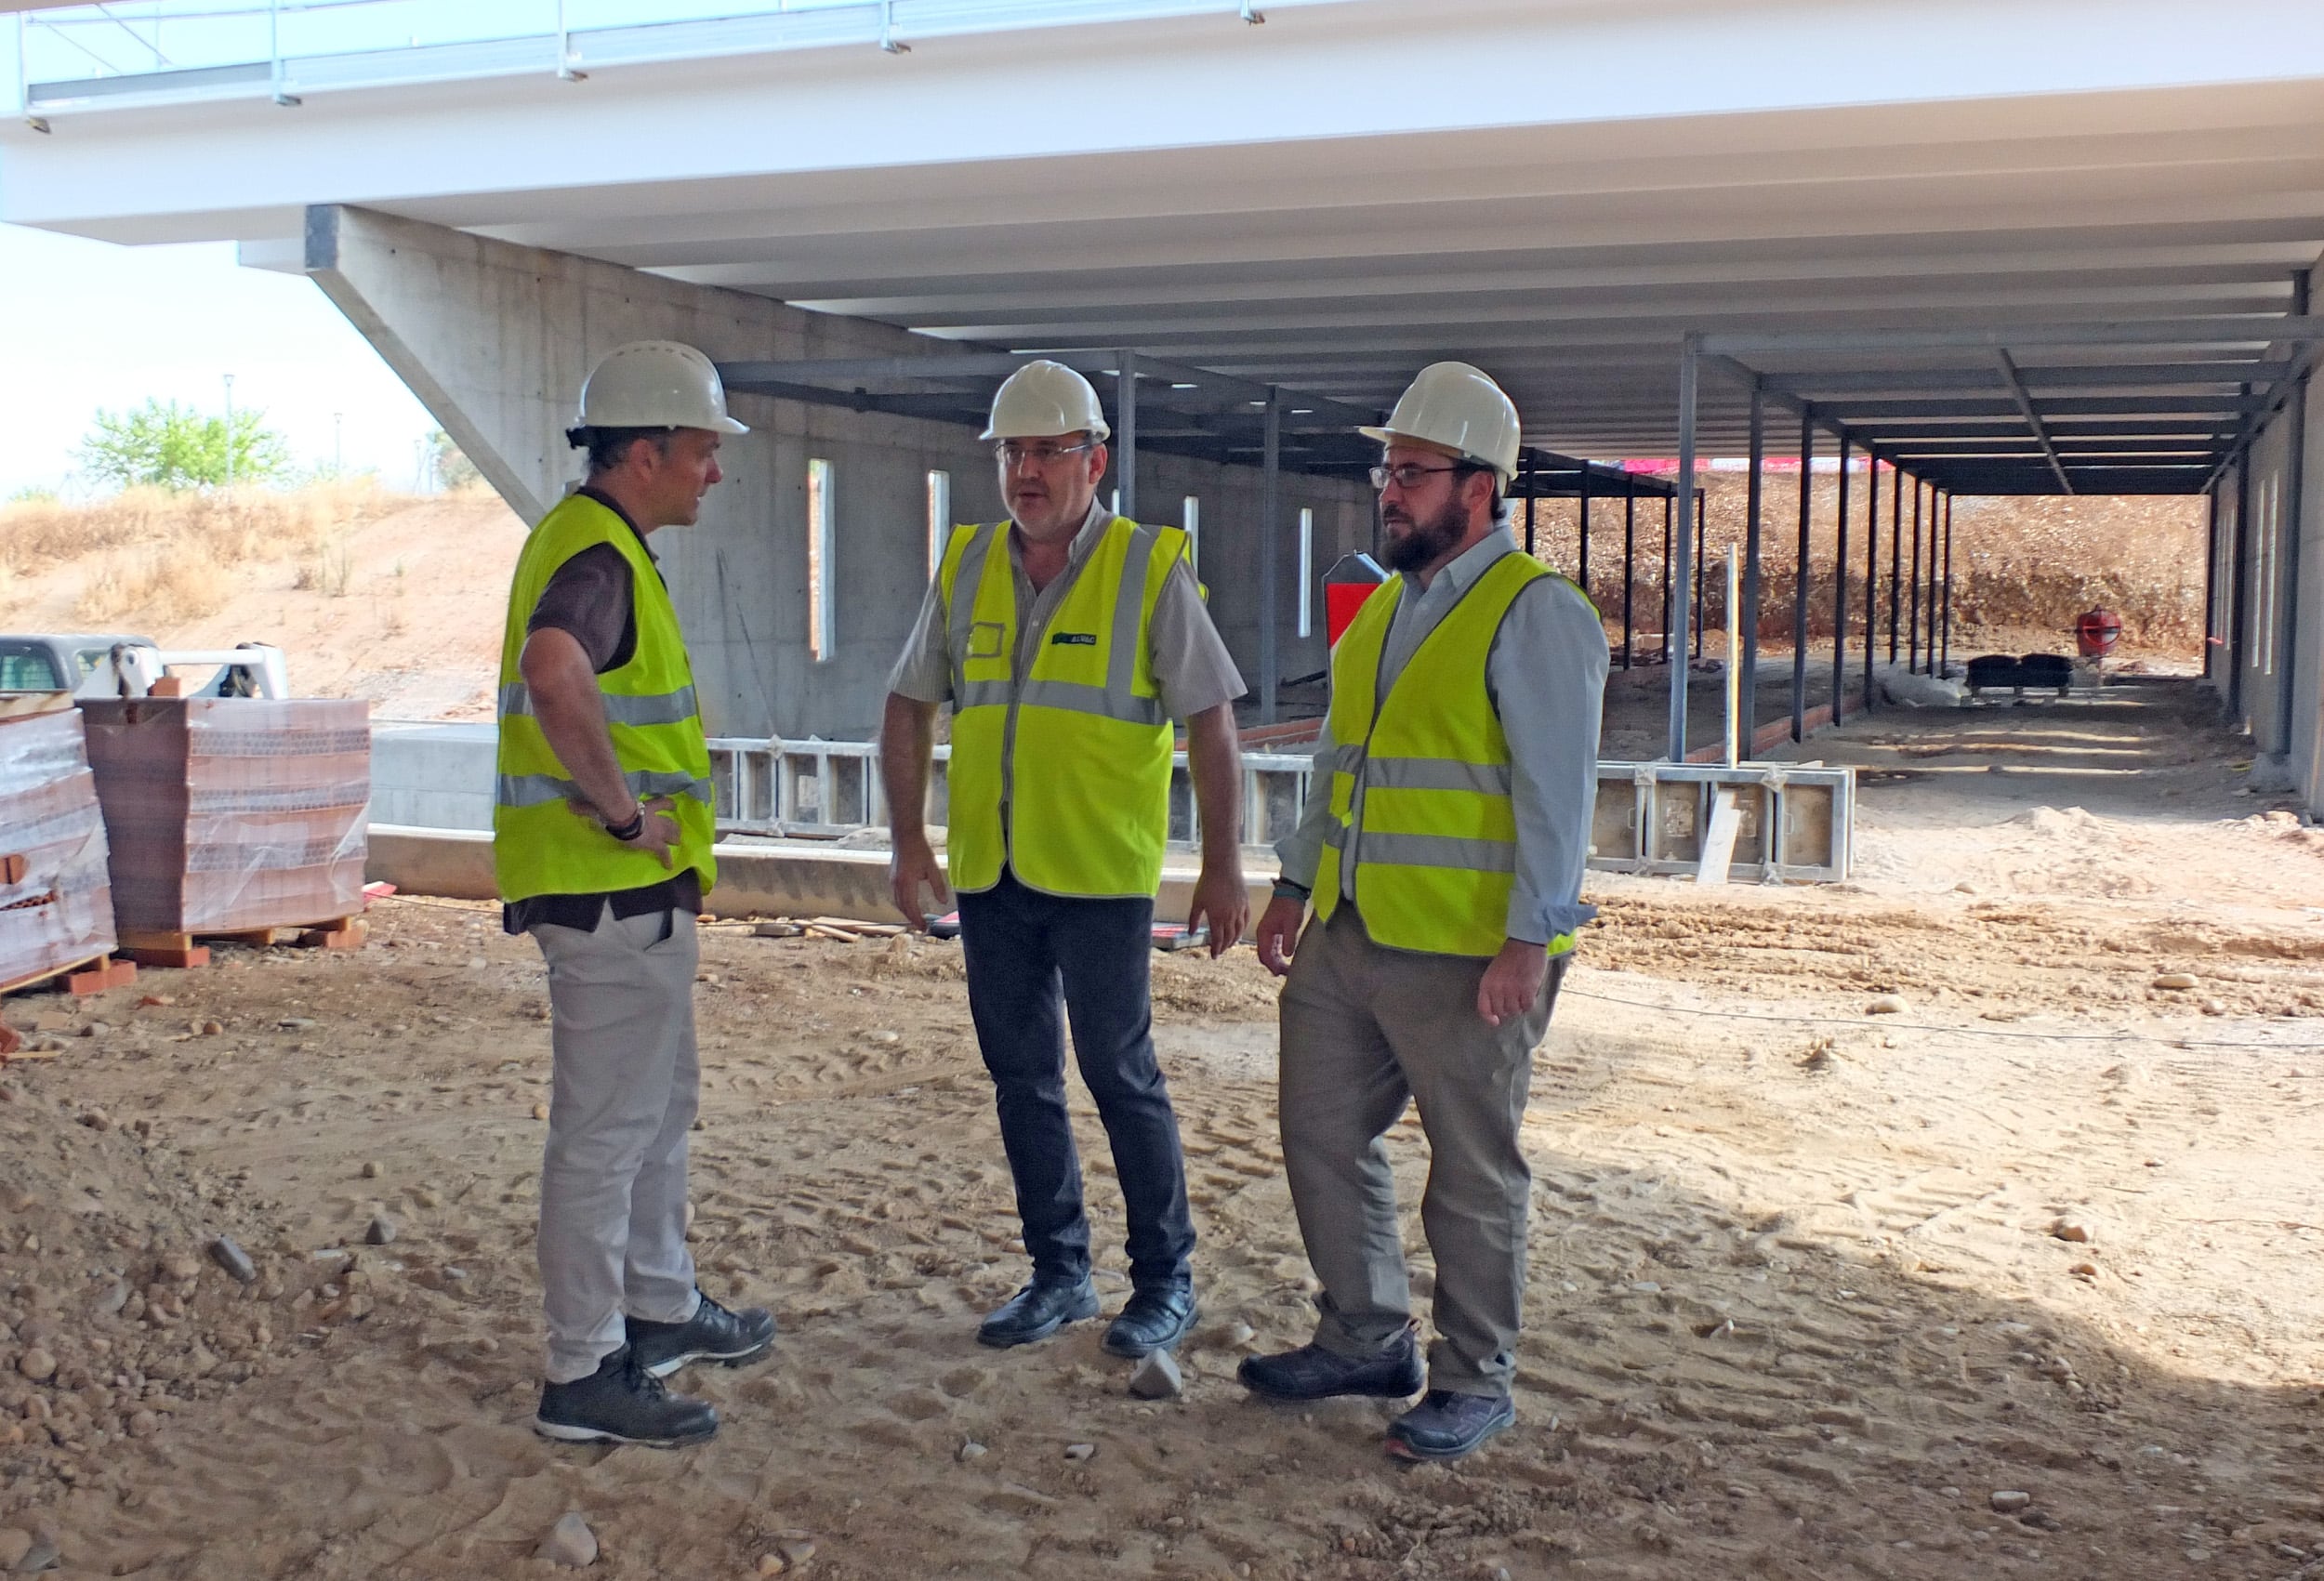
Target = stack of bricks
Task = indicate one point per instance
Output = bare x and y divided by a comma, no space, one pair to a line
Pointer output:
233,816
55,897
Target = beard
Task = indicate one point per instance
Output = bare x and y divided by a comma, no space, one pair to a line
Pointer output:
1424,541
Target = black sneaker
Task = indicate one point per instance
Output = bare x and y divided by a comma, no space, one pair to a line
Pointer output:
1156,1318
713,1334
1446,1426
1038,1310
621,1402
1313,1372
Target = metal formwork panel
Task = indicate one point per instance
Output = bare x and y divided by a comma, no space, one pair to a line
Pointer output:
1796,822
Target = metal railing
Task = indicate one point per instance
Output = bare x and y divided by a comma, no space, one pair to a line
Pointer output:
80,57
1795,824
831,789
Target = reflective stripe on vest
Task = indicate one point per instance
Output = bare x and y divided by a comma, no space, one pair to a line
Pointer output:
1080,746
652,714
1436,847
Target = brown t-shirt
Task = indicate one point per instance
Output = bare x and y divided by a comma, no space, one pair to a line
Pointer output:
590,598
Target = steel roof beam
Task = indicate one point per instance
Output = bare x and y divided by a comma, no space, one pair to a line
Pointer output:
2226,330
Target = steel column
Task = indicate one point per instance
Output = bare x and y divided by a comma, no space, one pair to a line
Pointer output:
1678,579
1912,596
1529,478
1702,508
1664,619
1750,570
2212,638
1270,541
1840,594
1630,558
2239,626
2287,528
1944,637
1799,590
1935,533
1895,557
1872,572
1582,581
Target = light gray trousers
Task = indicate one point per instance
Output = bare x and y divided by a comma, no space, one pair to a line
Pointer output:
1364,1030
613,1236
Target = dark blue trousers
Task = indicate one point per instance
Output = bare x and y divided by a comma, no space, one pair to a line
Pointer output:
1036,963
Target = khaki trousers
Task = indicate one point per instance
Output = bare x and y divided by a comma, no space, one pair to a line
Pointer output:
1364,1030
613,1235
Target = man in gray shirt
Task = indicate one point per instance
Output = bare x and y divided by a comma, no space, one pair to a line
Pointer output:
1444,841
1066,640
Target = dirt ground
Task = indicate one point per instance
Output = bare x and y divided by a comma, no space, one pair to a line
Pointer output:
1809,1287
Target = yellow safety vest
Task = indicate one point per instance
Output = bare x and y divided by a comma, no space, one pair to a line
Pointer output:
539,845
1083,732
1436,852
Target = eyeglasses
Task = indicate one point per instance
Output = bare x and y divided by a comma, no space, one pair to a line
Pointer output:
1407,474
1012,455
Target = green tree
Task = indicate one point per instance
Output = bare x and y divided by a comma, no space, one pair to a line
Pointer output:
176,447
450,464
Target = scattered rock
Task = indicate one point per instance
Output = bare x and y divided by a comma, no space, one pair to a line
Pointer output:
1236,1335
144,1424
2214,1006
970,1450
1886,1004
1158,1377
773,1564
14,1542
42,1556
96,1029
371,1169
116,1296
296,1023
211,1029
156,999
233,1259
1964,887
180,1266
96,1120
2085,1271
2175,980
799,1550
37,1364
1080,1450
381,1230
541,1112
2074,1230
570,1544
2009,1501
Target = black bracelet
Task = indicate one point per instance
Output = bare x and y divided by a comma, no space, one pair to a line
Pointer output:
1286,890
628,832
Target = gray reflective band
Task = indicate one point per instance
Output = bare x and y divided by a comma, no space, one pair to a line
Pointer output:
1130,598
1336,834
1440,850
1438,773
1103,701
532,790
621,708
967,576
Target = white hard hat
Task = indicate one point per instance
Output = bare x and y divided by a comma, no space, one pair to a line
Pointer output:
656,383
1044,400
1458,407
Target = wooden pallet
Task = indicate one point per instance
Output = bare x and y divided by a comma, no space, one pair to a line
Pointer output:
92,974
162,949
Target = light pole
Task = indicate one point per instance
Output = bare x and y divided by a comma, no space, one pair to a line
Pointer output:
230,430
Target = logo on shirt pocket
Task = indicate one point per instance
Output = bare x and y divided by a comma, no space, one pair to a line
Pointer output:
1073,640
985,638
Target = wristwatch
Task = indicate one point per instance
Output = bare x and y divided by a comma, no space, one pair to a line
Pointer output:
1286,890
628,832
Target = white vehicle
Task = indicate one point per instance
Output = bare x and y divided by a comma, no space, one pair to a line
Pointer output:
91,666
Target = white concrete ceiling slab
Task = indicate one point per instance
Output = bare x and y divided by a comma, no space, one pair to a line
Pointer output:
1556,190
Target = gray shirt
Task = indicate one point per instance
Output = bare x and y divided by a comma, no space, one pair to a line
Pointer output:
1192,668
1550,659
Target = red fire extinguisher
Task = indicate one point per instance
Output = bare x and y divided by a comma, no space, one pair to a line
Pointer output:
2096,631
1346,585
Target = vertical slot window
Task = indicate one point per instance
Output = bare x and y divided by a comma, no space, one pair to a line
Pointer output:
1191,519
1307,571
939,518
820,559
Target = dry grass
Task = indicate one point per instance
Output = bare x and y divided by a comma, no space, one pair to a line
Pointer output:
2031,564
165,557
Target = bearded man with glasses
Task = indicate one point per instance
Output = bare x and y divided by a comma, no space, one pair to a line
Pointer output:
1443,844
1067,639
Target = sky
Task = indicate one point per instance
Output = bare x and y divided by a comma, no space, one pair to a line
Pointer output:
93,325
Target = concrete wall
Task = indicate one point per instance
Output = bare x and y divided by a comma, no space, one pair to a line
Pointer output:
495,340
2272,583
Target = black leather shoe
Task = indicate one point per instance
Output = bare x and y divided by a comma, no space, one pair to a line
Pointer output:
1313,1372
1038,1310
1156,1318
621,1402
1446,1426
713,1334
